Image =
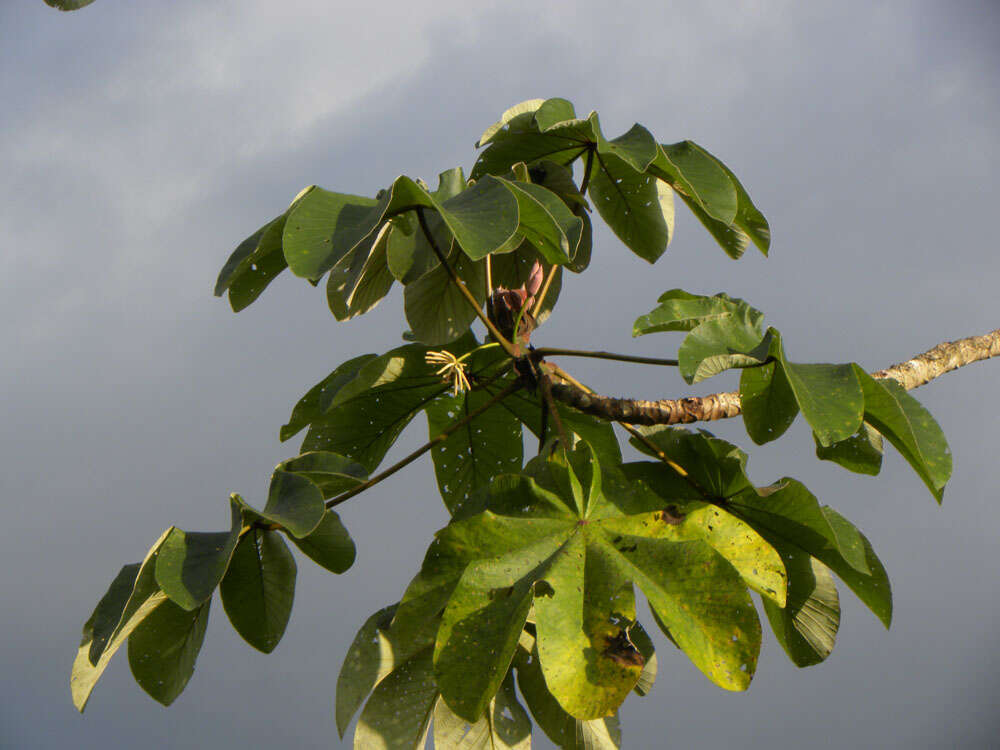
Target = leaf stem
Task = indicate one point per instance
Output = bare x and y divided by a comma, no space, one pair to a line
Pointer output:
556,352
507,347
439,438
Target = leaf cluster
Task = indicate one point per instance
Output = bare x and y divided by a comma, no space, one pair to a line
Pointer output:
525,609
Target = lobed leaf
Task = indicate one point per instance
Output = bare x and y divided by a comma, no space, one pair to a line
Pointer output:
504,726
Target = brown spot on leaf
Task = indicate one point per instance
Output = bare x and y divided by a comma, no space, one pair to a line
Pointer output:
622,651
671,514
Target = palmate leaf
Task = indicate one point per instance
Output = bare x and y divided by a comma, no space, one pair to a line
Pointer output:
361,279
573,553
398,713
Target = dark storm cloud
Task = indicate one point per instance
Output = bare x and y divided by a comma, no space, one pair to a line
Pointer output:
142,144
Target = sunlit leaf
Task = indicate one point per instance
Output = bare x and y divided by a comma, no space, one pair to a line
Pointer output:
126,604
398,713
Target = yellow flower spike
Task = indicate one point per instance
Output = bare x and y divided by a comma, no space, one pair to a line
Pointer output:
452,370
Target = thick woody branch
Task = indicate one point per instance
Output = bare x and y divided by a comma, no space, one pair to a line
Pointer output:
913,373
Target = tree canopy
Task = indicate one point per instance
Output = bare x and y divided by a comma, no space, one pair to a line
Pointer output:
524,611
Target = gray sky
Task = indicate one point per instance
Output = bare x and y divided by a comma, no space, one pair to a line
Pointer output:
142,141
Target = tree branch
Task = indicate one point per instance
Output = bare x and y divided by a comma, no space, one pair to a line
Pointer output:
911,374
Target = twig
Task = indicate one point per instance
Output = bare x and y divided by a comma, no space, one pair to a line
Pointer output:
551,351
507,347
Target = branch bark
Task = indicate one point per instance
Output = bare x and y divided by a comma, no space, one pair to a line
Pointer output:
911,374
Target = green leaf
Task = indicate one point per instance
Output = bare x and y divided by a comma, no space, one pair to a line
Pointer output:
516,118
163,648
190,564
695,592
909,427
399,710
294,503
829,396
408,253
331,472
121,609
721,344
807,626
697,175
600,434
637,207
860,453
505,725
482,623
319,398
545,220
323,227
377,650
361,279
564,730
329,545
748,220
253,265
724,332
570,538
483,219
438,313
722,206
682,311
68,4
714,466
787,513
259,588
766,397
367,662
469,458
367,414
